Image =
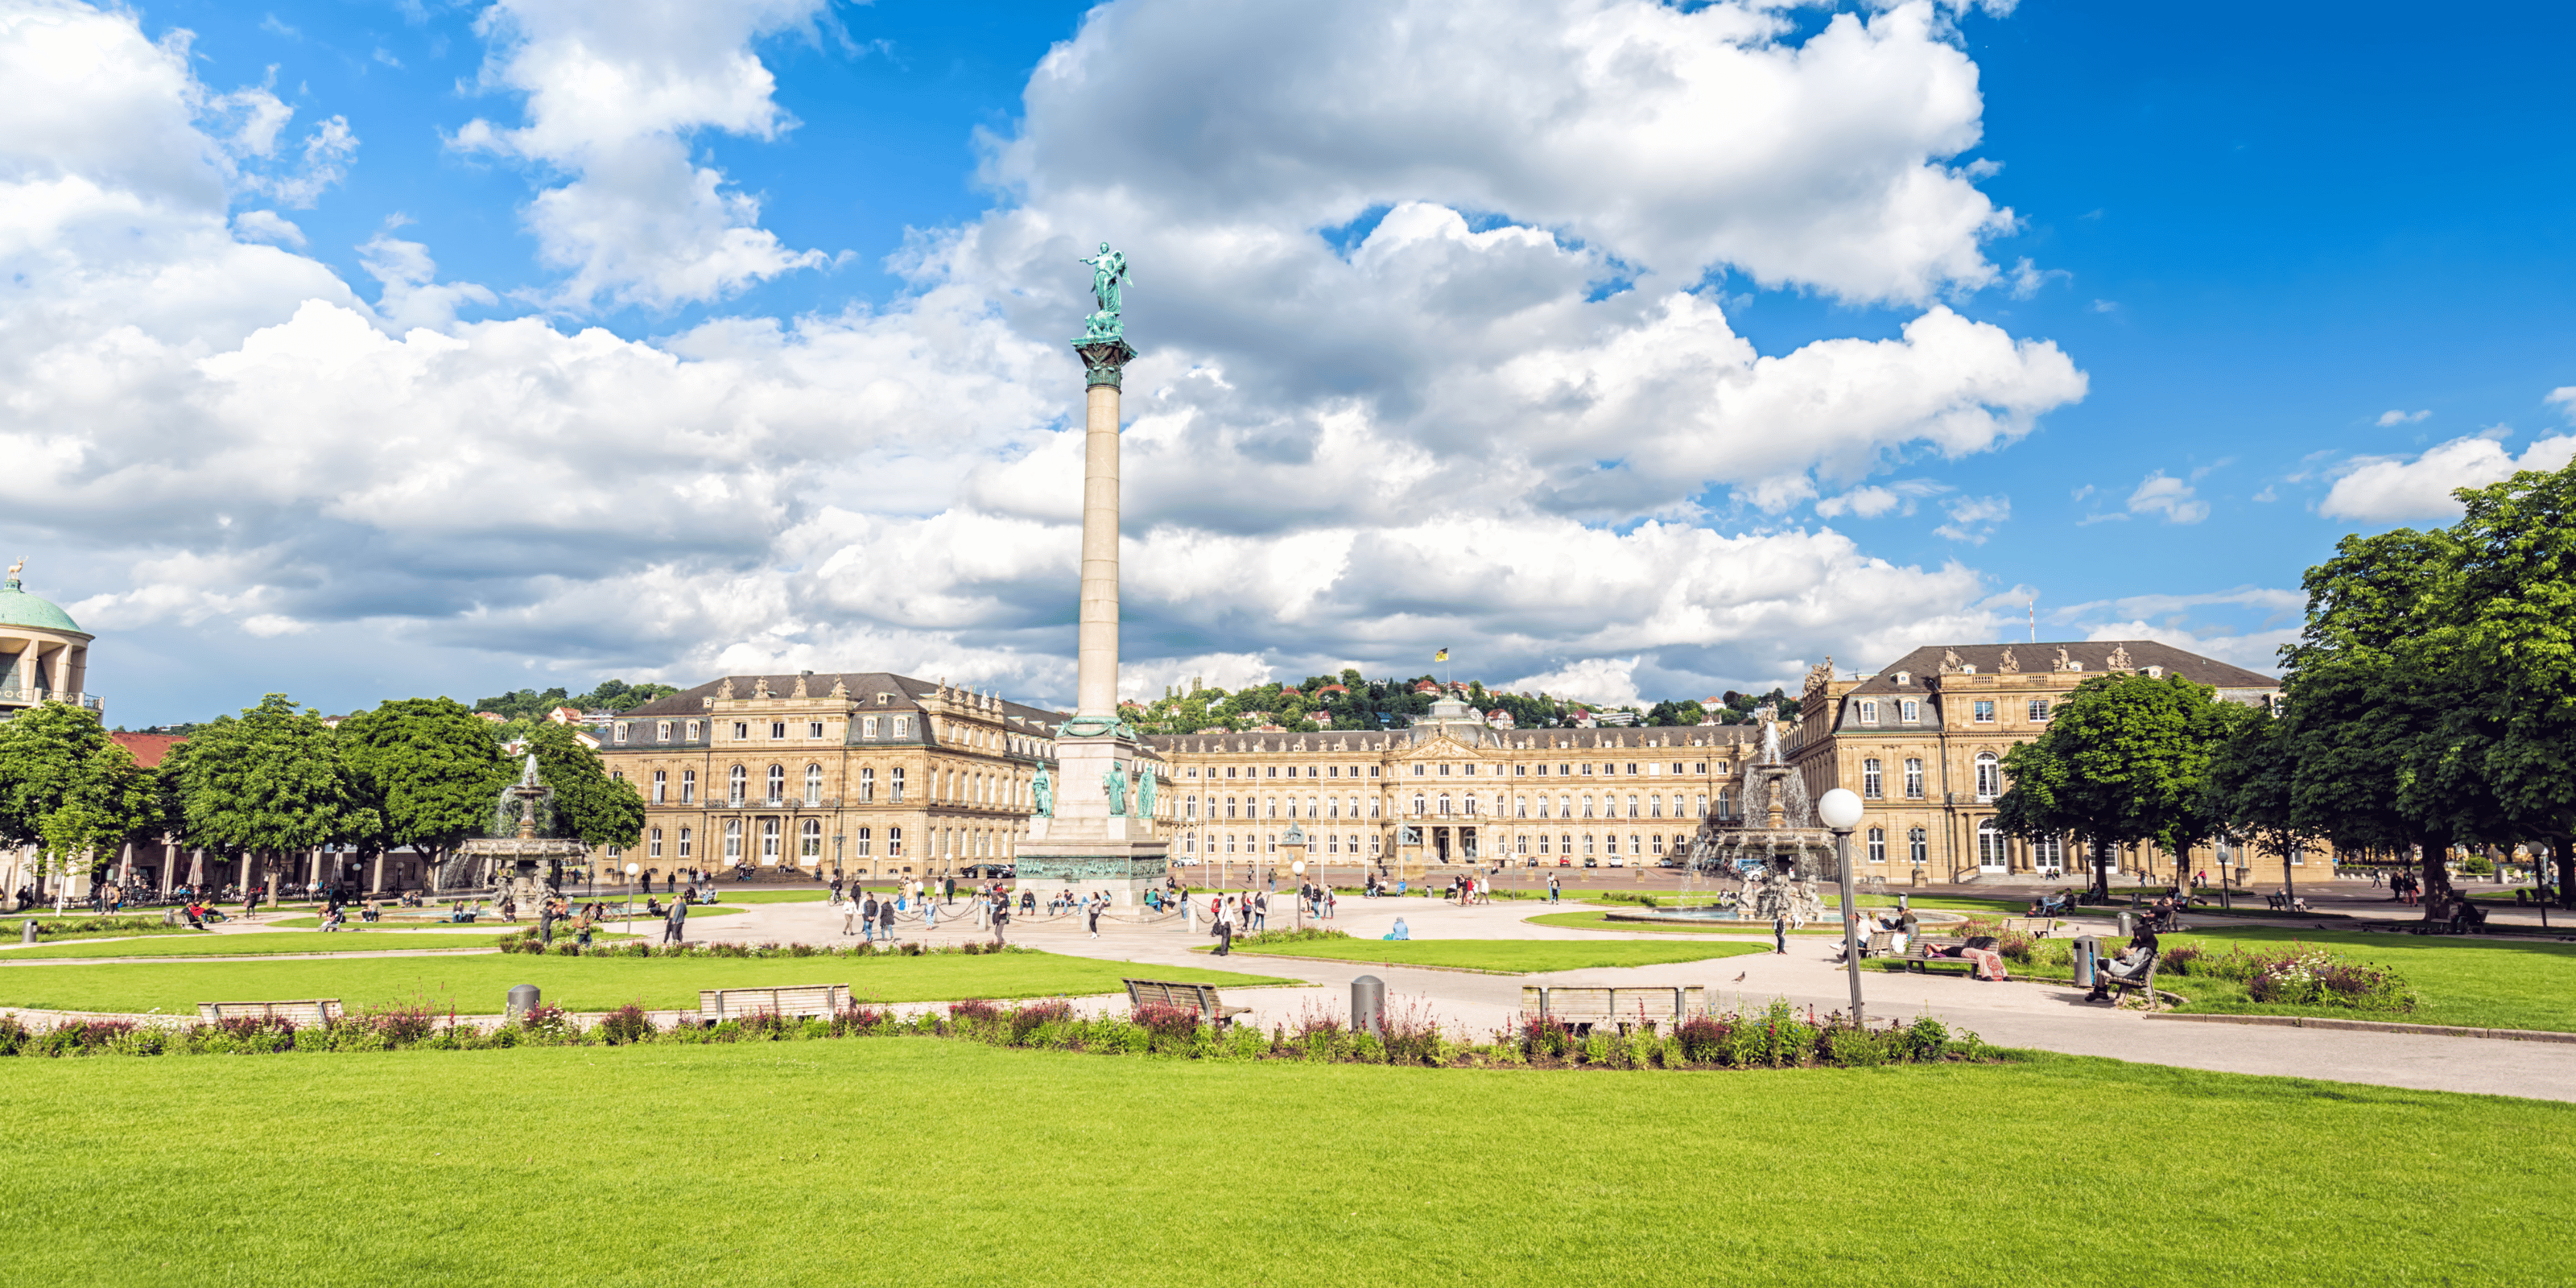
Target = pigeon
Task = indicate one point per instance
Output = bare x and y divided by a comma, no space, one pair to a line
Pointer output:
1739,978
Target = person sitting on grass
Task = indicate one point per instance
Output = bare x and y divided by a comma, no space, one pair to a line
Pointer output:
1401,931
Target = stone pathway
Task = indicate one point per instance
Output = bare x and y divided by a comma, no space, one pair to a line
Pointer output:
2046,1016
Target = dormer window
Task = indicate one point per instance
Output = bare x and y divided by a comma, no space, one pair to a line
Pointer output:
1905,677
1869,713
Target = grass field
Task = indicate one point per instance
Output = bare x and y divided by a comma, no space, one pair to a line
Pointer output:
1039,1176
2485,984
479,984
255,945
1513,956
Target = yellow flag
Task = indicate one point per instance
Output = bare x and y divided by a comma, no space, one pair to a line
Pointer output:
1441,656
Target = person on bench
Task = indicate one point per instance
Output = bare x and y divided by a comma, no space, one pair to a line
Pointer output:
1981,951
2129,967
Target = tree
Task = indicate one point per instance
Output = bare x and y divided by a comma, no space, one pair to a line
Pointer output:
431,772
2516,544
270,781
69,790
2372,694
2253,782
2124,760
588,803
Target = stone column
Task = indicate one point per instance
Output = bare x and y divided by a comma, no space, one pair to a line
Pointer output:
1096,690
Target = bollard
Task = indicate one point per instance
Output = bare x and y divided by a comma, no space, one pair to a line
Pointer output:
27,931
2086,949
1368,1006
523,999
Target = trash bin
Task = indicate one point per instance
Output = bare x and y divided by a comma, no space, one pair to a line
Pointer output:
27,931
2087,950
2128,925
523,999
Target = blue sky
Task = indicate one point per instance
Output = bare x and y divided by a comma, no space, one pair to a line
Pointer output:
1427,376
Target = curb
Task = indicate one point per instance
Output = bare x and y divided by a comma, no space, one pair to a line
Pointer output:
2372,1026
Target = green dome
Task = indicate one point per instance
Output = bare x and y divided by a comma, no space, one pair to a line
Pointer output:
18,608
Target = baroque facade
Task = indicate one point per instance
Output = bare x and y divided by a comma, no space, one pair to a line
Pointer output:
1452,788
1923,739
858,773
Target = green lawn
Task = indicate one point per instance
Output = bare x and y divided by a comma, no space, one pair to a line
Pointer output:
787,1173
479,984
2478,983
1515,956
9,934
256,945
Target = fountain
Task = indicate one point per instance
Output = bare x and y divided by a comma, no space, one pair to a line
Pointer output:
1774,848
515,848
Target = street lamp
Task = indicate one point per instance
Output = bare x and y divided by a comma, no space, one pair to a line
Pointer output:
1840,810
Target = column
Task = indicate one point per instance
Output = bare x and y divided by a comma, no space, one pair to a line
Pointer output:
1096,689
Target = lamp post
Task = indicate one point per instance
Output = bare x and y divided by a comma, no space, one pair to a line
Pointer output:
1840,810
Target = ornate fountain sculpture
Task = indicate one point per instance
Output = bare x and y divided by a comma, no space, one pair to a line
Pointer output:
528,865
1775,846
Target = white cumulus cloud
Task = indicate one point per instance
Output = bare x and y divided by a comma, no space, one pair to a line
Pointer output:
2390,489
2171,498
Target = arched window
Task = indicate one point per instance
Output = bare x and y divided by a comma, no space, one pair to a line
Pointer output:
1272,802
769,842
859,838
735,779
1990,846
1873,779
688,787
653,844
661,784
810,844
1417,803
1542,843
1444,802
1655,806
894,840
733,841
1917,847
778,784
894,789
867,786
1587,841
813,784
1587,813
1914,778
1632,810
1990,776
686,836
1878,845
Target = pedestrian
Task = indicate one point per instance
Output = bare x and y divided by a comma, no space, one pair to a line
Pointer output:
885,921
1224,930
1260,912
546,920
866,910
1001,918
1098,904
929,915
1331,900
1552,894
1779,934
671,927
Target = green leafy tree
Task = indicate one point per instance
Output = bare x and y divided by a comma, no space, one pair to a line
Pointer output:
429,769
67,789
270,782
2253,783
2125,760
588,803
2516,593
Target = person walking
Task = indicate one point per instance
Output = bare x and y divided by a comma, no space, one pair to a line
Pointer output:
1780,934
1260,912
1553,896
672,925
1224,929
885,921
1001,917
867,909
929,913
546,920
1098,904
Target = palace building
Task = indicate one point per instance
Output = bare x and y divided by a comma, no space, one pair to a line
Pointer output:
1451,788
1923,740
861,773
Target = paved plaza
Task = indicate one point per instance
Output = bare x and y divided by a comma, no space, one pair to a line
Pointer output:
2025,1014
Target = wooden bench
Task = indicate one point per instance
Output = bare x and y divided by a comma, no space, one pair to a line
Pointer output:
321,1012
716,1005
1583,1005
2289,903
2121,985
1924,953
1879,944
2035,927
1201,998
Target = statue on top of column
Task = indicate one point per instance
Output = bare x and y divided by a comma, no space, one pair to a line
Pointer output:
1109,279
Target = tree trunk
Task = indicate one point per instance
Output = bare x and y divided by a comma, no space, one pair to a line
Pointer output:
2101,872
2437,874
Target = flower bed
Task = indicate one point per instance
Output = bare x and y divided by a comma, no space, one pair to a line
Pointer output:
1779,1036
2298,975
528,941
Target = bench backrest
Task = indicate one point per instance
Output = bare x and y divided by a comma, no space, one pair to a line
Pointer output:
1201,998
1880,941
1595,1004
719,1004
304,1014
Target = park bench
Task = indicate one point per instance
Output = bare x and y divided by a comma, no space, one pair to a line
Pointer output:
1925,953
2143,981
1581,1006
2285,903
1879,944
1201,998
315,1013
2035,927
716,1005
